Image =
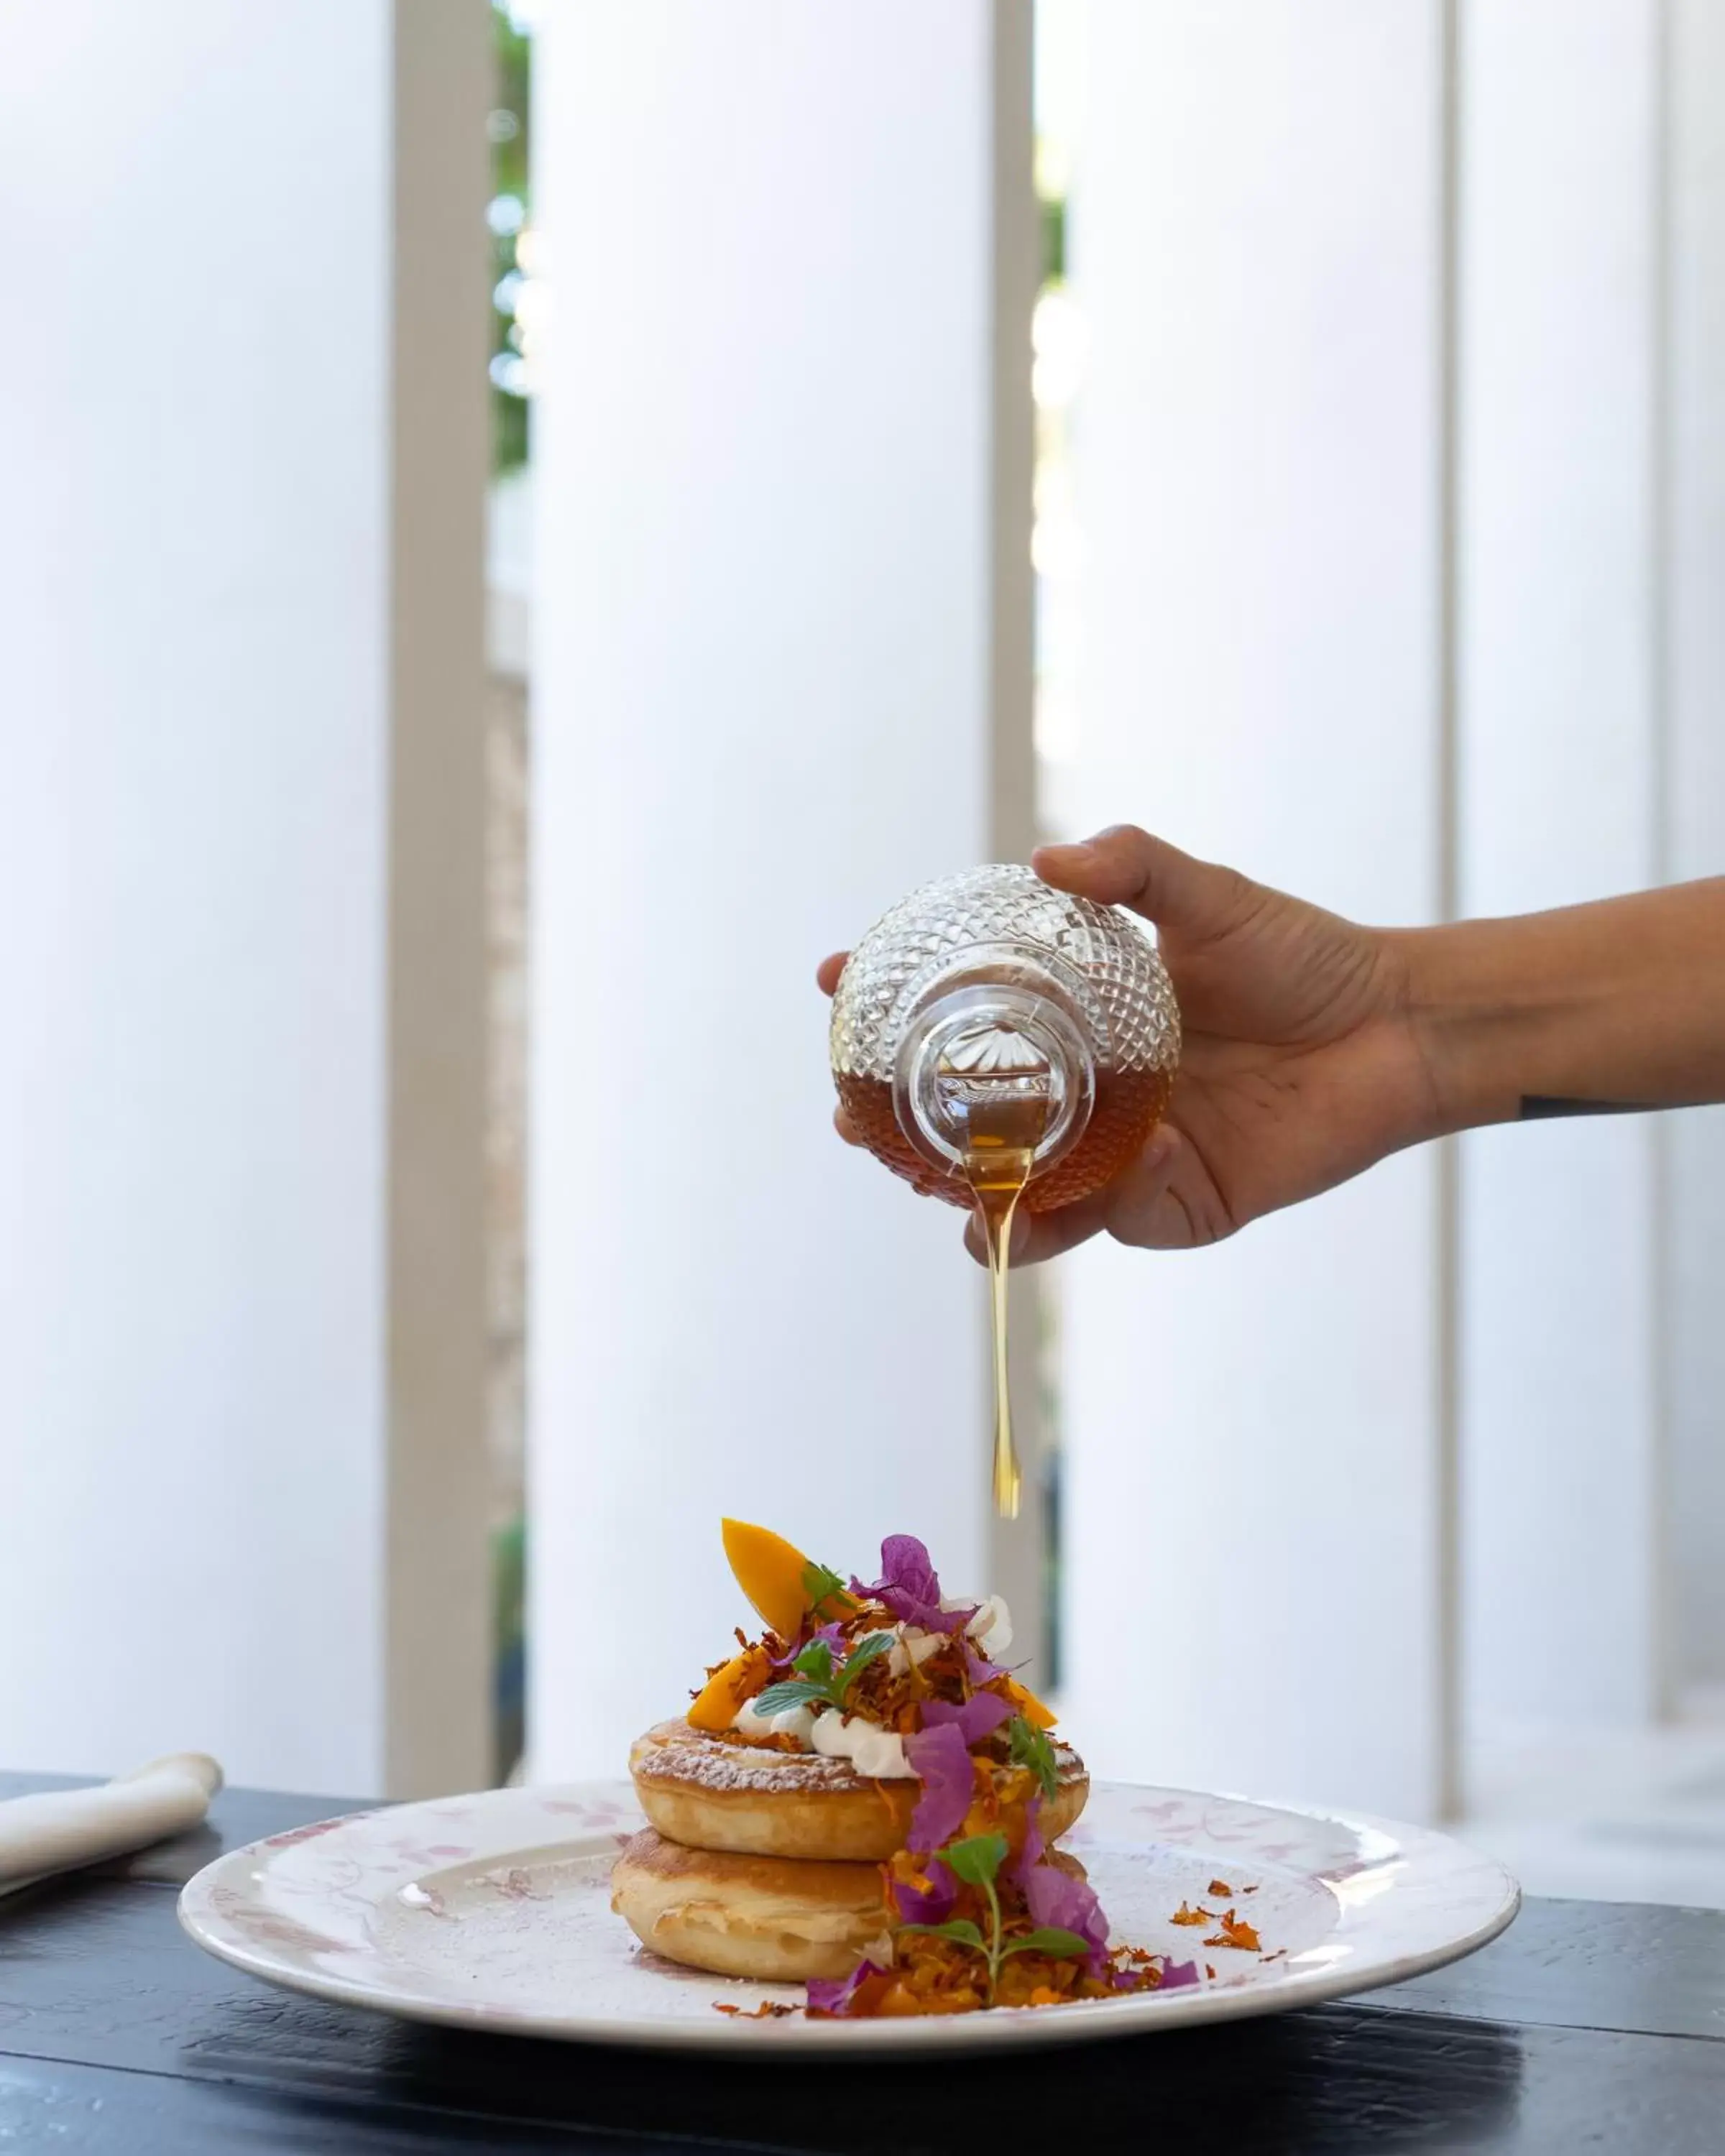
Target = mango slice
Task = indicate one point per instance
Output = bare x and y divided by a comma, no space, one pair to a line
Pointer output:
715,1706
769,1570
1027,1705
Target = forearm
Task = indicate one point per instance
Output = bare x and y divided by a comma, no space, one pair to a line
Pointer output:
1620,1004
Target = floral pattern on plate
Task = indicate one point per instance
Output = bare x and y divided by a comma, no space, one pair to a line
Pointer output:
493,1909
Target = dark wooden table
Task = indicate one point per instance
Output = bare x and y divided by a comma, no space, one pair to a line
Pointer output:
1588,2025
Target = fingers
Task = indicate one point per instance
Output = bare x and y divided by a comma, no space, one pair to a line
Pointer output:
846,1129
1166,1200
1126,866
826,974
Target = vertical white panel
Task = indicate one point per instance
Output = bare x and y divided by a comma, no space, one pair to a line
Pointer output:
196,687
1253,1431
1695,680
1559,771
761,692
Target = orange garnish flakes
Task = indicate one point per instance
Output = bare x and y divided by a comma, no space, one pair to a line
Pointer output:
1235,1933
929,1974
769,2010
932,1975
1222,1890
1187,1915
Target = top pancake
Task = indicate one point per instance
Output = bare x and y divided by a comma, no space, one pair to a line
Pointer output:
711,1791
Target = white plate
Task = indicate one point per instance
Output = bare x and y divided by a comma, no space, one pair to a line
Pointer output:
494,1911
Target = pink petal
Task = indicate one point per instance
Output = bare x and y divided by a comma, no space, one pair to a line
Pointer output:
977,1718
832,1994
942,1758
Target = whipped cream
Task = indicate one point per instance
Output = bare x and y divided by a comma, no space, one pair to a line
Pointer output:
990,1630
877,1752
911,1646
798,1722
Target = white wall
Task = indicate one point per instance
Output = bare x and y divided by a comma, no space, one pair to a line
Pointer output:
1253,1434
761,712
1694,486
1281,249
197,558
1561,776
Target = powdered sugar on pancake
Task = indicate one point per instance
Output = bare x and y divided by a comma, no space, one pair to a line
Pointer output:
676,1752
711,1763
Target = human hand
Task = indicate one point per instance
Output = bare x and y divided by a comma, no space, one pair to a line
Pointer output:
1300,1063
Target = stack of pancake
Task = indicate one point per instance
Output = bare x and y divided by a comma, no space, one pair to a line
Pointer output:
766,1863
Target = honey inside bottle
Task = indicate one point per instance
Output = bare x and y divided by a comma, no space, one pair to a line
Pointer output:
1000,1043
1128,1106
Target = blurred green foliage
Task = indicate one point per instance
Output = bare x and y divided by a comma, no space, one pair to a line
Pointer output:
1053,209
510,120
509,1584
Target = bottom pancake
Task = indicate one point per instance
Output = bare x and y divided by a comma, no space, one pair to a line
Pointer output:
780,1920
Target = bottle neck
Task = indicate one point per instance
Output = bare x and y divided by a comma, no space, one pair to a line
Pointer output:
991,1066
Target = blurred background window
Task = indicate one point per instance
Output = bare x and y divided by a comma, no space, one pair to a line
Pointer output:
652,566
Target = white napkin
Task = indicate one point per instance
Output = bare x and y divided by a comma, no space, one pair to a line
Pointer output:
60,1829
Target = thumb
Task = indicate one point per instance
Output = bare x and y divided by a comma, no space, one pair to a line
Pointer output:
1126,866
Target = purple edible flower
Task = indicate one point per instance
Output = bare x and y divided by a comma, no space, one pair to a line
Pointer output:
1030,1855
1054,1897
977,1718
932,1906
1175,1973
942,1758
980,1672
910,1588
834,1994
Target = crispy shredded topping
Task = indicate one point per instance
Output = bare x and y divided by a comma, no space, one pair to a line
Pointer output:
936,1966
950,1676
934,1975
982,1913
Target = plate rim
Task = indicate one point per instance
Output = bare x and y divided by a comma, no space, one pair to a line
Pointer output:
1083,2021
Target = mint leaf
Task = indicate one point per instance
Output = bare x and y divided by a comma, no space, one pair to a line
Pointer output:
821,1585
976,1862
1065,1946
815,1662
1030,1747
865,1651
956,1928
780,1698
